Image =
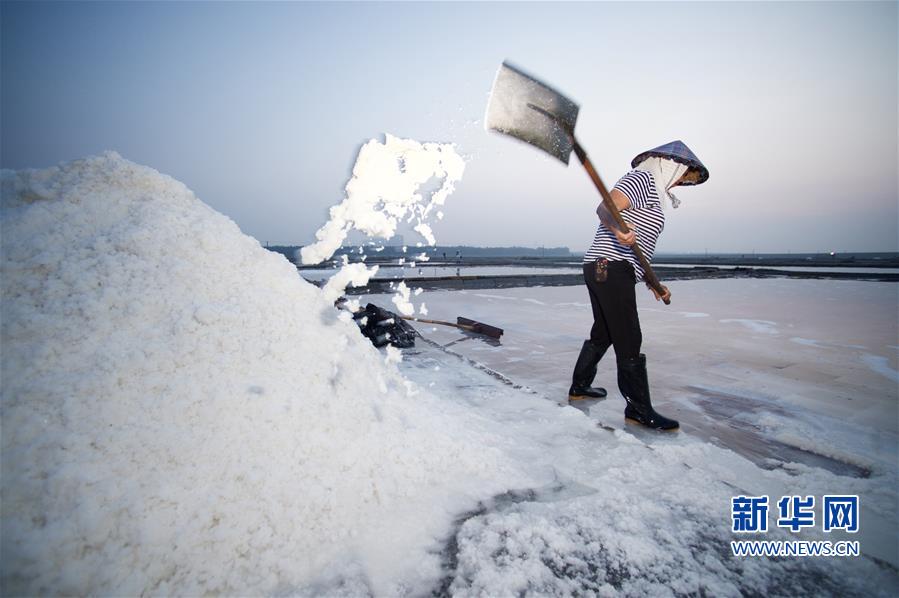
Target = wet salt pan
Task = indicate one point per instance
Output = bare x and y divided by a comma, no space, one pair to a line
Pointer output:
880,365
760,326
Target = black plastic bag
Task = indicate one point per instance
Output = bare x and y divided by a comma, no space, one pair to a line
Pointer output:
384,327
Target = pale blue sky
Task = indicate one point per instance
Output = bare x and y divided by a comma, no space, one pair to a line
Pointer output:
261,107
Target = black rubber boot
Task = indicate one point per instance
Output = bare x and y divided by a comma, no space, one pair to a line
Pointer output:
633,383
585,372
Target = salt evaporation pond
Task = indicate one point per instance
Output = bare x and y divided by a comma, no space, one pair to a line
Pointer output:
183,414
781,386
803,269
751,341
425,271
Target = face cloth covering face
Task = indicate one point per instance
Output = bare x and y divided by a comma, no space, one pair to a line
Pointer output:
665,173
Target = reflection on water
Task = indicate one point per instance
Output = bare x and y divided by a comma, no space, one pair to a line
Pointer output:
444,271
809,269
427,271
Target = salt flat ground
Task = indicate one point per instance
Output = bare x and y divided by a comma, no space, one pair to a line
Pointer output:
183,415
795,376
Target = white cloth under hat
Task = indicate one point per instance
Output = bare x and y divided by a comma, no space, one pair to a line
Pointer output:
665,173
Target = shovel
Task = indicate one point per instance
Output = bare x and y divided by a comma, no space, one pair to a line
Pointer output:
463,324
524,108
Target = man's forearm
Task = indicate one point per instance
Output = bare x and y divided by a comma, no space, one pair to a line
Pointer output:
605,216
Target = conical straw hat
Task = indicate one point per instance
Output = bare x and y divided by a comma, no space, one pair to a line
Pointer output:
679,152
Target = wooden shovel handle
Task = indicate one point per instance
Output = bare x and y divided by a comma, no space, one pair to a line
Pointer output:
651,279
441,322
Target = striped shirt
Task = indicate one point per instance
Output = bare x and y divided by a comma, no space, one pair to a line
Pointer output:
644,216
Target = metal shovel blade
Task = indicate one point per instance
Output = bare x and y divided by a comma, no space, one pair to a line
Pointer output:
525,108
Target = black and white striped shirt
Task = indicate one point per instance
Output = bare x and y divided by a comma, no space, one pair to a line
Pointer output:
644,216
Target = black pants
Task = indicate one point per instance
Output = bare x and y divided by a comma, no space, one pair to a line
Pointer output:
614,302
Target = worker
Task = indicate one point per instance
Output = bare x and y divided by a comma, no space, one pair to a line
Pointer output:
611,271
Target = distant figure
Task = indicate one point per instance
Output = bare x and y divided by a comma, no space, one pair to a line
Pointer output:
611,271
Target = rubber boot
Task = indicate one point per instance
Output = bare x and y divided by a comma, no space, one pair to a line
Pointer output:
633,383
585,372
